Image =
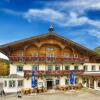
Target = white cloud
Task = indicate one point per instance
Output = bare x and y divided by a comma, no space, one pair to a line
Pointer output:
77,4
62,19
43,14
73,17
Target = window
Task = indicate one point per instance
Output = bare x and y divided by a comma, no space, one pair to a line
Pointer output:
85,68
66,67
50,48
5,83
50,67
19,68
76,67
20,83
57,82
35,67
34,54
20,54
50,55
57,67
93,68
12,83
66,81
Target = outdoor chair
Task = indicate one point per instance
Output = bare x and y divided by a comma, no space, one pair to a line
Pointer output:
66,87
69,87
44,89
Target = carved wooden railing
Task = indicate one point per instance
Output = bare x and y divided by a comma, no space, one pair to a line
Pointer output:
47,59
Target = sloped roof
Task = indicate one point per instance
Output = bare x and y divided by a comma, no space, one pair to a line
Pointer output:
2,56
48,34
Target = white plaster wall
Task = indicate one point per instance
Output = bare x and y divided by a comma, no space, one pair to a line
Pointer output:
27,67
40,83
27,83
62,81
80,67
13,69
90,66
80,79
71,67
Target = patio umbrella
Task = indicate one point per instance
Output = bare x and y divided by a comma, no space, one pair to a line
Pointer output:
72,77
33,80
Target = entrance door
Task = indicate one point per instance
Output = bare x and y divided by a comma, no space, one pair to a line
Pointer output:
49,84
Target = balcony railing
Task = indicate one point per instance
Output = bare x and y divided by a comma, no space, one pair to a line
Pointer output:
28,73
47,59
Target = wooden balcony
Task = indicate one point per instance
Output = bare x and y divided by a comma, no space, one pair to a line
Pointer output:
28,73
46,59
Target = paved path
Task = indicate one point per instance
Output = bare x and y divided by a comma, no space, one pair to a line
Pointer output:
69,95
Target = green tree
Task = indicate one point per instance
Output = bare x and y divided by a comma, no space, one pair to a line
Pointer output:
97,49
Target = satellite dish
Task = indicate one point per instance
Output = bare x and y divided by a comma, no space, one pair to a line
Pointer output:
2,56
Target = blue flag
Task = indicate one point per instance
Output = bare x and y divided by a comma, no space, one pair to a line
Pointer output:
72,77
33,80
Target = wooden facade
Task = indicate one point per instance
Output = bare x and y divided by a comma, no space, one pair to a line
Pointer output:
36,49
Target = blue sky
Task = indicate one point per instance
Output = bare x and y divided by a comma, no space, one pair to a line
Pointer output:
78,20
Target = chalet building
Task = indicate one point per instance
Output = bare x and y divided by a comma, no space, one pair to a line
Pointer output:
52,58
